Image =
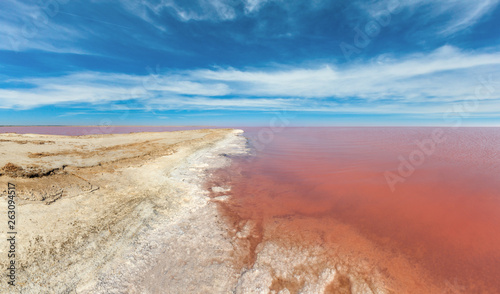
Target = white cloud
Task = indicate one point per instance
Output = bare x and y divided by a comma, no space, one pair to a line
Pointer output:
253,5
444,74
28,26
456,15
216,10
471,12
205,103
417,83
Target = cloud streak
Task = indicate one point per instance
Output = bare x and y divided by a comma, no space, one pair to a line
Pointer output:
454,15
26,26
415,83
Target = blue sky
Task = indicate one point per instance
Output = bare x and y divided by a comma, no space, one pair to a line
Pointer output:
231,62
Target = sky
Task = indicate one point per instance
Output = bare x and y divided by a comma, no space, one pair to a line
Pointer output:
250,62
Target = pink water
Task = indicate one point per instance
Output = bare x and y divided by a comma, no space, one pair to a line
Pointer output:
439,225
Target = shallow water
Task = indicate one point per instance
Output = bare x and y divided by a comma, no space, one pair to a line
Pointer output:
435,221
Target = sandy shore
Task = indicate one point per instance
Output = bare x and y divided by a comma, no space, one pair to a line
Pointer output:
116,213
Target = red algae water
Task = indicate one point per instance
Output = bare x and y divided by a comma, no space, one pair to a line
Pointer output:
421,206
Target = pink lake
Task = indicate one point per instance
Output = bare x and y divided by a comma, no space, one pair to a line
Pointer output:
424,197
441,214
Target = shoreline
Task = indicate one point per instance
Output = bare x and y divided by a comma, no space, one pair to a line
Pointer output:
189,252
98,236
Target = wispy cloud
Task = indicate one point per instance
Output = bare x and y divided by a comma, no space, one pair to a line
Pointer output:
470,14
28,26
73,27
445,17
443,75
217,10
63,28
417,83
254,5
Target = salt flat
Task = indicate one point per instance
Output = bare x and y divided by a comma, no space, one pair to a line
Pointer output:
94,213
